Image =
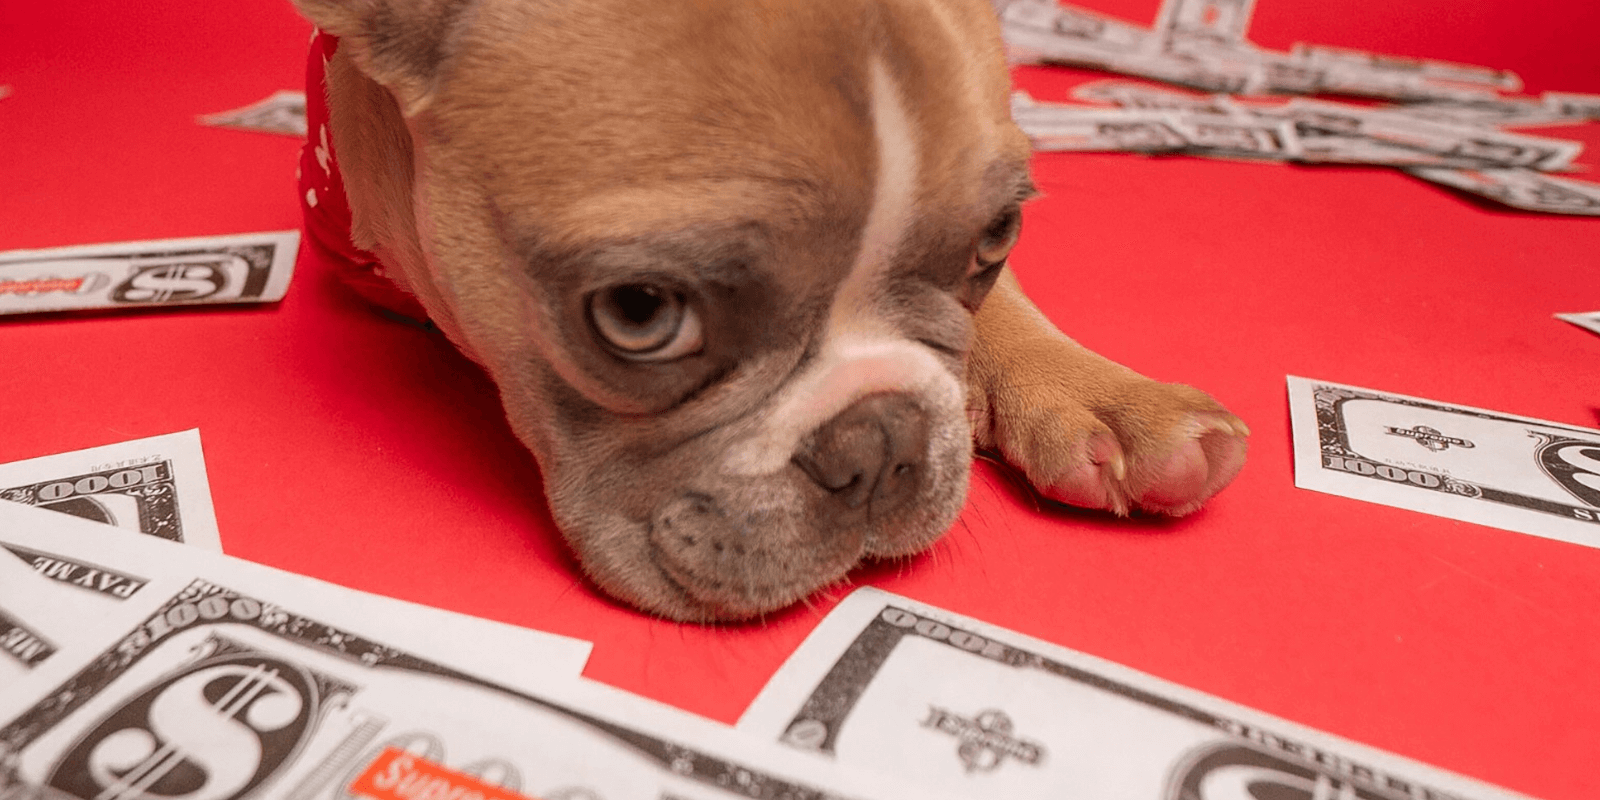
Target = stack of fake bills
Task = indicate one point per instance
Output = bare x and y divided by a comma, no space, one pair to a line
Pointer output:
1441,127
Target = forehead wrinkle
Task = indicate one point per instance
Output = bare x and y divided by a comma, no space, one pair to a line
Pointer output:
640,212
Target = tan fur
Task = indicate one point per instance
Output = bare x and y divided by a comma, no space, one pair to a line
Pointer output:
507,159
1061,412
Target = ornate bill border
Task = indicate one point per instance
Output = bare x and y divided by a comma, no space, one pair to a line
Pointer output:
1338,455
203,604
821,718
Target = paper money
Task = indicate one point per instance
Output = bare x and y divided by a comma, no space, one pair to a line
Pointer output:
1466,146
1202,44
1439,147
932,697
21,648
1589,321
1147,98
156,486
222,679
1470,464
1322,131
1040,30
1573,106
1213,23
45,614
1490,112
1419,71
1520,188
1241,137
1058,127
245,268
282,113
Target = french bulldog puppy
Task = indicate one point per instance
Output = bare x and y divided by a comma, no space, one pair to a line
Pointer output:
738,268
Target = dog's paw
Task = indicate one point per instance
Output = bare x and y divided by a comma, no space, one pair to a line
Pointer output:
1140,444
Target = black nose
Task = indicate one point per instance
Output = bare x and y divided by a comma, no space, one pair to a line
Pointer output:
872,452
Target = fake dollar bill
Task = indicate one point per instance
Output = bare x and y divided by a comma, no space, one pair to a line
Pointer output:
1058,127
21,648
246,268
1464,146
155,486
34,607
1519,188
1588,322
1202,44
78,591
1470,464
221,679
930,696
281,113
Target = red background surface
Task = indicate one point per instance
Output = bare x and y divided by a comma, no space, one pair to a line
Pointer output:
368,453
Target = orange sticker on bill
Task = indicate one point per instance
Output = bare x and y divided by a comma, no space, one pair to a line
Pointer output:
400,775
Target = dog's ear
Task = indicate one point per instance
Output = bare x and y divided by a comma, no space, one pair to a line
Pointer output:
398,43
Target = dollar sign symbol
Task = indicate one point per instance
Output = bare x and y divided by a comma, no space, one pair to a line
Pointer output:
171,282
1575,466
213,733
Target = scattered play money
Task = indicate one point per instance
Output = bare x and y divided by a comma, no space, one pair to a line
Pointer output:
1552,108
1201,44
1308,131
219,678
939,699
282,113
1520,188
245,268
1470,464
156,486
1589,321
1460,146
1443,129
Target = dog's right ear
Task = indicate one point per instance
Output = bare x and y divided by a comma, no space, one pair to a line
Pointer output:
398,43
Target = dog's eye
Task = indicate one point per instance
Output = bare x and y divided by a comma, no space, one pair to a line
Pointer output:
998,239
640,322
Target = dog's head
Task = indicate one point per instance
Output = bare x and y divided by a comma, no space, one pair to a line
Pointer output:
720,256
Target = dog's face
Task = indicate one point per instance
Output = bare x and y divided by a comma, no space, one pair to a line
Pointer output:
720,257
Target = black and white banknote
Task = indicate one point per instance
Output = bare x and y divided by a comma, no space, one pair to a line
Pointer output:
1589,322
1526,189
281,113
24,645
1470,464
1204,44
242,268
155,486
21,647
40,616
218,679
933,697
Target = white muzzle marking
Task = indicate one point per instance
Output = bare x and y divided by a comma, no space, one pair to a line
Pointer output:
861,353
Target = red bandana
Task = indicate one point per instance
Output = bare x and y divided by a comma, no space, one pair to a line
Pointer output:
322,197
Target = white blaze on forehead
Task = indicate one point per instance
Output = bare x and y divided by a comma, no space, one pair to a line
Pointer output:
860,353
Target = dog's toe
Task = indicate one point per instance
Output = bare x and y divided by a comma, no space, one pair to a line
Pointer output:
1093,477
1156,447
1204,453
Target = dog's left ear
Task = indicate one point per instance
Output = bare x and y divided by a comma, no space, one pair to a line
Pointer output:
398,43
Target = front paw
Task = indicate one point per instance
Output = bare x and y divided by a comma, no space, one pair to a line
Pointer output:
1158,447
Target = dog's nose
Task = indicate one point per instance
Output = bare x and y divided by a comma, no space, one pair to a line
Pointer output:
872,452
